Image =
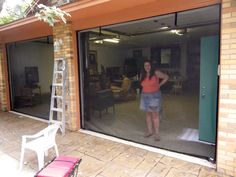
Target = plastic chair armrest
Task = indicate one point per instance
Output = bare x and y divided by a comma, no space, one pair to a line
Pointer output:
33,136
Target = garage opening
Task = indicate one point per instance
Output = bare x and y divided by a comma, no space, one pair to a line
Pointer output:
30,65
185,46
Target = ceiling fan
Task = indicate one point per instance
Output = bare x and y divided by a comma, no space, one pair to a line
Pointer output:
101,37
180,32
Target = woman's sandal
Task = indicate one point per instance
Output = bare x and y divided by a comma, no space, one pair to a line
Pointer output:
157,137
146,135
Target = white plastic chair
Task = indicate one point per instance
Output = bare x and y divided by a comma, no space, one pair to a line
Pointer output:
40,142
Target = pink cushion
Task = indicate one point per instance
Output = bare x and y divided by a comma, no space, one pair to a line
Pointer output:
59,167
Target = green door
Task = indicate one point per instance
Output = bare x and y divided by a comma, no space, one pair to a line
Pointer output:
208,88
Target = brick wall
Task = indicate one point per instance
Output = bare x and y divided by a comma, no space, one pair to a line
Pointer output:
64,32
226,149
3,98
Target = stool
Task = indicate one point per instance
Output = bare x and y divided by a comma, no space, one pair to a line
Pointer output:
62,166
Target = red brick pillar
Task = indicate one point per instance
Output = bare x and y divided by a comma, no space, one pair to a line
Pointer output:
64,33
226,147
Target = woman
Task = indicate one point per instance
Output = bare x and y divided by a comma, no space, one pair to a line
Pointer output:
151,97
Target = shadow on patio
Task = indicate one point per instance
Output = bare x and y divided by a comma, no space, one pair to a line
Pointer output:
100,157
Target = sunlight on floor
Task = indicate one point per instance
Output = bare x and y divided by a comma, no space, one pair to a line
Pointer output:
189,134
9,167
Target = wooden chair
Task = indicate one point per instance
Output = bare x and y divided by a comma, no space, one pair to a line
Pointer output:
121,93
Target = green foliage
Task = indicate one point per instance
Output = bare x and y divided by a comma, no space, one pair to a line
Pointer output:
6,19
13,14
51,15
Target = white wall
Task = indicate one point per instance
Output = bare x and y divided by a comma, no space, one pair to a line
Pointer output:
146,52
109,56
32,54
183,57
115,56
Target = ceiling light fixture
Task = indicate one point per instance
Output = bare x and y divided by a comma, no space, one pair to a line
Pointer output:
179,32
112,40
98,41
164,27
174,31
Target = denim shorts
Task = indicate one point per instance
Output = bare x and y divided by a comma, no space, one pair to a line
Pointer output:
151,102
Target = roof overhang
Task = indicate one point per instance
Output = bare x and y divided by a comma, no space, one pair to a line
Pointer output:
91,13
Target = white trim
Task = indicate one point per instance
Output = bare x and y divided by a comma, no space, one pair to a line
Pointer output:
180,156
28,116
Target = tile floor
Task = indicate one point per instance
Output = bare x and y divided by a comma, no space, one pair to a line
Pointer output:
100,157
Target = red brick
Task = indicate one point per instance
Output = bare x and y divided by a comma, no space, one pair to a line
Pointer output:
64,32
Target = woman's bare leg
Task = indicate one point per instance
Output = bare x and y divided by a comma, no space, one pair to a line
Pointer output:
149,124
156,122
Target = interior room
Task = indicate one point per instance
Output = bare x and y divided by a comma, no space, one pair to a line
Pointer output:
112,59
30,70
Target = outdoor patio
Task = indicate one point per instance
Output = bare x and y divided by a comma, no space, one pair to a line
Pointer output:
100,157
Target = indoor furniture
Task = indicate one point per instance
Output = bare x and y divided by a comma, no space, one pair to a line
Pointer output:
28,95
102,100
124,92
177,85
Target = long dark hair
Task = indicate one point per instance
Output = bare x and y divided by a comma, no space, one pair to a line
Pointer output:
144,73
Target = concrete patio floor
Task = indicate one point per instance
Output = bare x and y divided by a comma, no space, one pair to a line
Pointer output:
100,157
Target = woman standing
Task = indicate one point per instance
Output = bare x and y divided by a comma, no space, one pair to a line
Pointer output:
151,82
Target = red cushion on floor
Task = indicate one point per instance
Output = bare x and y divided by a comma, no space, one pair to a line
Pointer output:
59,167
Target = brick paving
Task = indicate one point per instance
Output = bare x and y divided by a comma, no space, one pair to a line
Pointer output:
100,157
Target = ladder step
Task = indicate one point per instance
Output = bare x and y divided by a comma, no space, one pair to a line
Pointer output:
57,109
59,59
55,121
57,85
59,82
56,96
58,72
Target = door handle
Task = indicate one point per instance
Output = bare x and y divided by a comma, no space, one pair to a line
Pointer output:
203,91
